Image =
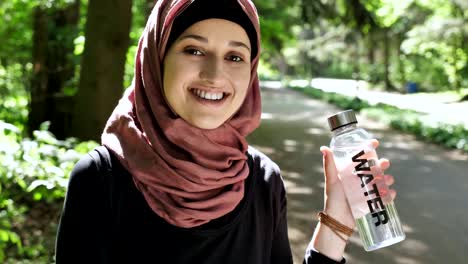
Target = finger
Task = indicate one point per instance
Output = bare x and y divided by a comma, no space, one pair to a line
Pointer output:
392,193
384,164
389,180
389,196
374,143
330,171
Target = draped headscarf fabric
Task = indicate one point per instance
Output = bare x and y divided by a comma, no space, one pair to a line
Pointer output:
187,175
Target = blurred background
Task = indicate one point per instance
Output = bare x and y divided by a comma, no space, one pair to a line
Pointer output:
65,63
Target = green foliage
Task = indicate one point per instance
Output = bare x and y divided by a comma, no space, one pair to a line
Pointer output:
388,12
13,96
139,11
451,136
427,72
33,172
15,30
266,72
9,214
16,27
439,41
425,40
341,101
277,20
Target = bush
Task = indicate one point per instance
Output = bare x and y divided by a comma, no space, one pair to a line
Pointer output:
33,178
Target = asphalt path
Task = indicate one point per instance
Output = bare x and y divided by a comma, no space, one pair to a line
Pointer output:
431,182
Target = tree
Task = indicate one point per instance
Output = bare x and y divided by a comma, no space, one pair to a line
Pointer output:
38,104
277,18
54,30
441,40
102,67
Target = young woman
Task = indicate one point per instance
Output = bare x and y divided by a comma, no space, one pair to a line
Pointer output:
175,180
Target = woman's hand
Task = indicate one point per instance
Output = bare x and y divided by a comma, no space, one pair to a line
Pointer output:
336,205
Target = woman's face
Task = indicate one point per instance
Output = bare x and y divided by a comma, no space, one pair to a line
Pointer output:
207,72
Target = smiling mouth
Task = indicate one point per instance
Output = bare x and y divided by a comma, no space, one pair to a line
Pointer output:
212,96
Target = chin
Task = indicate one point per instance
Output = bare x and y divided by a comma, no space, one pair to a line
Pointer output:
205,124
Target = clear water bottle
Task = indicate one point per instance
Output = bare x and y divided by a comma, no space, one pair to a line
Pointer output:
368,196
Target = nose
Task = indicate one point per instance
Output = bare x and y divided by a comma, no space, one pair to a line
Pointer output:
212,71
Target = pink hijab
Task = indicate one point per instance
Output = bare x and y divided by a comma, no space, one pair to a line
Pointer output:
187,175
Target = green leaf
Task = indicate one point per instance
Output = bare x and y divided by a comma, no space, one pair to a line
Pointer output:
4,235
44,126
37,196
14,238
79,45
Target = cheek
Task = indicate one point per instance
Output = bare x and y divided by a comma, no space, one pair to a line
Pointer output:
242,80
168,85
182,69
174,74
243,88
167,73
171,83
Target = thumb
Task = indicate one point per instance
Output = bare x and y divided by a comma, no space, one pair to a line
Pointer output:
330,171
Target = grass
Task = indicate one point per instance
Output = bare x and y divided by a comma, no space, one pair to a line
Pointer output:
441,97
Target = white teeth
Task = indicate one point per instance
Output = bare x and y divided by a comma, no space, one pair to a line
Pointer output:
208,95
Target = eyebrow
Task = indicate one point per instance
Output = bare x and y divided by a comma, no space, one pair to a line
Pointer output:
231,43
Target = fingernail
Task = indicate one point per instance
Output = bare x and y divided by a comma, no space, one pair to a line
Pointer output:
324,153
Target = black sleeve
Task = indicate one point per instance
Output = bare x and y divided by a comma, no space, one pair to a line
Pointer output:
82,236
281,249
313,257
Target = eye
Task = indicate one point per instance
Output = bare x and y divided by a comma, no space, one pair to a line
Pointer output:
193,51
234,58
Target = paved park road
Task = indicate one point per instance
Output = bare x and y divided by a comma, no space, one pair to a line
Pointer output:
432,182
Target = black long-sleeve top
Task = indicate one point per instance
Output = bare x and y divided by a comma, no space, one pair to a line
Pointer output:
105,219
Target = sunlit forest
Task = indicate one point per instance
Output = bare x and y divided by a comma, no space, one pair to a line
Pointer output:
65,63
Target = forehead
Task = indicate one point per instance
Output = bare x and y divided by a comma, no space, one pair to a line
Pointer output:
218,29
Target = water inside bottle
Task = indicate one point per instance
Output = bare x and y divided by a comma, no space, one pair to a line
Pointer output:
353,182
385,235
368,195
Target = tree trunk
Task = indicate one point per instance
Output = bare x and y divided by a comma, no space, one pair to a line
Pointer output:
401,65
370,48
388,85
39,81
356,59
280,62
102,67
61,66
54,32
458,42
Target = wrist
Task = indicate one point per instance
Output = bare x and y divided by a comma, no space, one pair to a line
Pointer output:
328,243
337,213
331,236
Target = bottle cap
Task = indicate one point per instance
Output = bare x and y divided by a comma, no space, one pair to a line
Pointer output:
342,119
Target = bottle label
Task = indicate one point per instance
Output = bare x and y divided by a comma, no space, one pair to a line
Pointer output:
370,188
